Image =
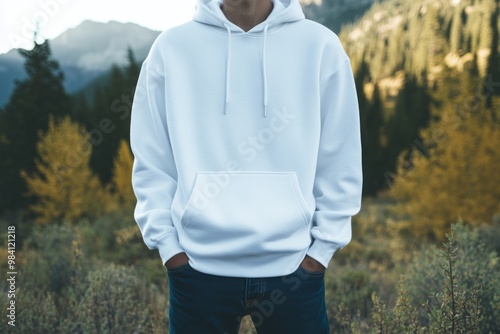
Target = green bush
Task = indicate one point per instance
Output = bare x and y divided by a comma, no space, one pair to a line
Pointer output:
51,261
453,289
37,312
116,238
348,296
100,239
59,289
114,300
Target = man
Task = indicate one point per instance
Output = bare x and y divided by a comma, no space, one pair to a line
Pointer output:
247,171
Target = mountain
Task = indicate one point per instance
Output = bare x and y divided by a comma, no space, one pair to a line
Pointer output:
336,13
85,53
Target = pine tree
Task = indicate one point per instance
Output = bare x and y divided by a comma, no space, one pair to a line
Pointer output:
456,30
396,50
493,62
106,142
374,174
132,70
82,109
488,23
475,23
113,104
371,119
35,98
63,185
412,113
361,77
131,75
431,42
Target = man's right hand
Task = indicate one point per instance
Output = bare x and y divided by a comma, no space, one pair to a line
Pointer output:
177,260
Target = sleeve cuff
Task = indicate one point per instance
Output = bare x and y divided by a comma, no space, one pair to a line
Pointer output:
322,251
168,247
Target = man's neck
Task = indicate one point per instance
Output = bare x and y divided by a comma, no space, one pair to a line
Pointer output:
246,14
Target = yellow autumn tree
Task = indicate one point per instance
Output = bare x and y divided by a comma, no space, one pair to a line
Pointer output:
64,186
454,176
121,188
122,177
458,180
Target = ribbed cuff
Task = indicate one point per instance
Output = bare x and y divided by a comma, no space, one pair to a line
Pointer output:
168,247
322,251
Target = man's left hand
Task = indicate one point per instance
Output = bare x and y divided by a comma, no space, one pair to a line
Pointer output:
312,265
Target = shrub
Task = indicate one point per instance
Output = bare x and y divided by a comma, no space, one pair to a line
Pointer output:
454,289
348,296
59,289
35,311
50,258
113,300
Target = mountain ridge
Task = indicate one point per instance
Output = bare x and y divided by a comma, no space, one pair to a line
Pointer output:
84,53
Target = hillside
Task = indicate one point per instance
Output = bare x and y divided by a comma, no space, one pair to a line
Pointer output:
405,56
423,37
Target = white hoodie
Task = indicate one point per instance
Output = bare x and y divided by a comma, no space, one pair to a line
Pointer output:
247,144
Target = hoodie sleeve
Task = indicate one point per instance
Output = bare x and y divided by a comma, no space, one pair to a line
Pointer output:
154,175
338,182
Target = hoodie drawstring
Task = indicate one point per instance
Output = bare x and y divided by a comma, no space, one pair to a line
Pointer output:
228,68
264,68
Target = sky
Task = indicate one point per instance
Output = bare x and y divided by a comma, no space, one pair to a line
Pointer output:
18,18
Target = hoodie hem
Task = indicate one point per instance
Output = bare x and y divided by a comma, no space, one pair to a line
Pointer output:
168,247
322,251
269,265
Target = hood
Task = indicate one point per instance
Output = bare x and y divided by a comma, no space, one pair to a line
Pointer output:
284,11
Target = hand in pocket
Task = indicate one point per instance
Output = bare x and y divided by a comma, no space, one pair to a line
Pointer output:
177,261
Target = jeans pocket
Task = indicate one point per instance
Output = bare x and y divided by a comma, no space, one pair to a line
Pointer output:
181,268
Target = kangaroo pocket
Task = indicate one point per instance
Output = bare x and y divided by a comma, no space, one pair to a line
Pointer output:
245,213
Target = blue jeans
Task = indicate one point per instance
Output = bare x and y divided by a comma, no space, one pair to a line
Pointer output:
208,304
